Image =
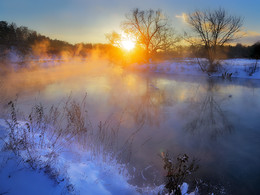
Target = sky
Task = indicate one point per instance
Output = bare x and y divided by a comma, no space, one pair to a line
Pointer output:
89,20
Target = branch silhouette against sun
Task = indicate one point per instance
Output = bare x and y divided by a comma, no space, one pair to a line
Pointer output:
149,29
152,30
123,40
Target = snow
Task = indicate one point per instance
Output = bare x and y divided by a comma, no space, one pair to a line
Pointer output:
16,178
74,172
239,68
78,173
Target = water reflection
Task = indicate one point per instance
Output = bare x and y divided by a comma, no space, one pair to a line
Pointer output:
141,97
142,102
208,117
149,107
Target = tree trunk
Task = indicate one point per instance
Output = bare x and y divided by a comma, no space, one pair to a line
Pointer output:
211,55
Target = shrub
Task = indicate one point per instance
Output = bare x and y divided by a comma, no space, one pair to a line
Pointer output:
177,172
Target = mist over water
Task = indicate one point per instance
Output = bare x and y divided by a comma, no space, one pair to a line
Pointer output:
214,121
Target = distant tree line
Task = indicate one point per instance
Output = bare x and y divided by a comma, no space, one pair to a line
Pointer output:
231,51
22,39
228,51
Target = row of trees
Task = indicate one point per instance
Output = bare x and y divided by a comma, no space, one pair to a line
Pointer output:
24,40
224,52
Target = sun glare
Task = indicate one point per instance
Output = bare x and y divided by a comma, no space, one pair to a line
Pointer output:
128,45
127,42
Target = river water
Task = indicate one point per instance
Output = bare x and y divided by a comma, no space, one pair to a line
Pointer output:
213,120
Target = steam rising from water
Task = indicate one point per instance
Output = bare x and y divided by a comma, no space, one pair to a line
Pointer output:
35,73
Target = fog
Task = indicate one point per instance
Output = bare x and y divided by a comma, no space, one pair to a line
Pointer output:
35,74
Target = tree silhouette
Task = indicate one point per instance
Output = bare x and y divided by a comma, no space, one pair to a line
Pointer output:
152,30
213,29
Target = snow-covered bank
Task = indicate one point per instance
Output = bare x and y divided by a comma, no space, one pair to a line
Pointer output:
240,68
75,171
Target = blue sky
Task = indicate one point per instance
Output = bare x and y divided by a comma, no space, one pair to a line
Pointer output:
88,20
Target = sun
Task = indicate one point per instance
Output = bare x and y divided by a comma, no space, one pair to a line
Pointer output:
127,42
128,45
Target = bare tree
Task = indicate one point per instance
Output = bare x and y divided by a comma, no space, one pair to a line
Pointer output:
151,29
214,29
